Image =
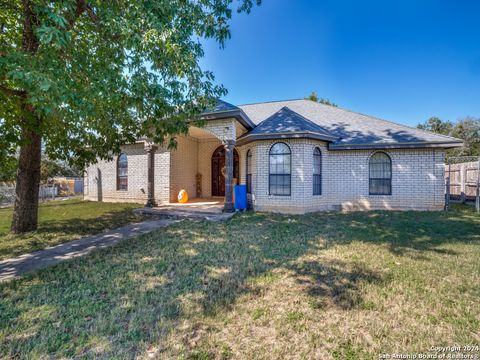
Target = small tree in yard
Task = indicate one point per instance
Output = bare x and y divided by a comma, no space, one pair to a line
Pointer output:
83,77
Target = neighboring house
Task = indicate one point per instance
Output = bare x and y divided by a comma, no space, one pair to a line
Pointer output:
294,156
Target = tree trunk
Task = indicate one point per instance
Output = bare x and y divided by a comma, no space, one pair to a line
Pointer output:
25,212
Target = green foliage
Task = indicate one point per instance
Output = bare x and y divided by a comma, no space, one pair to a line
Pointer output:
48,168
314,97
51,168
437,125
467,129
101,73
8,168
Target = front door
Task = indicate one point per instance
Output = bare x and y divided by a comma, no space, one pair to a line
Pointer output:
218,170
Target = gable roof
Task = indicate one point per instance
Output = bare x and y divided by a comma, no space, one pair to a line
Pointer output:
352,130
222,106
224,110
286,123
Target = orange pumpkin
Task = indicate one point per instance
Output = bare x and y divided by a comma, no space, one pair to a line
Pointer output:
182,196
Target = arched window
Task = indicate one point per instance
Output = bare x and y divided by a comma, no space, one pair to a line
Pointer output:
317,171
248,164
122,172
280,170
380,174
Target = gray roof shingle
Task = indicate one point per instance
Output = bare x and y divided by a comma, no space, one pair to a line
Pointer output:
221,106
286,121
352,130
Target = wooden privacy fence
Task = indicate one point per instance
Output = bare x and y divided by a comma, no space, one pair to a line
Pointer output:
462,180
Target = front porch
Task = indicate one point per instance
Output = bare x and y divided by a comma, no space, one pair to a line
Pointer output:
201,205
206,166
196,209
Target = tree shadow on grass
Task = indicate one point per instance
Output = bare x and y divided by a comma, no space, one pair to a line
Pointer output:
53,232
117,301
89,226
334,283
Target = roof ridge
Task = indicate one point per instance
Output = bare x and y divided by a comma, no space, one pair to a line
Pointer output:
308,120
269,102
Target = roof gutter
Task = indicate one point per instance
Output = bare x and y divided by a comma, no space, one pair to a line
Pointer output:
406,145
247,138
238,114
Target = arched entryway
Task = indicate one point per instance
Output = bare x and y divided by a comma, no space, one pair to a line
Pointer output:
218,170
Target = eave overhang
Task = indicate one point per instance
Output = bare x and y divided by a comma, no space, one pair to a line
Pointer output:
239,115
406,145
247,138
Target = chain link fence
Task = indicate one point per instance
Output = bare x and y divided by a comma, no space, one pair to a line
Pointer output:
49,190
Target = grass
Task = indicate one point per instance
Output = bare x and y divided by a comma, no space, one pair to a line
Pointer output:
320,286
61,221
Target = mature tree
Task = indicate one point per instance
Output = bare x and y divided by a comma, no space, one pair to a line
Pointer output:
467,129
437,125
8,168
51,168
84,76
314,97
48,168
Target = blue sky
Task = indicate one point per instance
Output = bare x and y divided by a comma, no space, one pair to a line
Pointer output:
399,60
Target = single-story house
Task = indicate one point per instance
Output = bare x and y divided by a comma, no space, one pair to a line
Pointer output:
294,156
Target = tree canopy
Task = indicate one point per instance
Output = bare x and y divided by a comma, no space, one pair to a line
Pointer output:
82,77
467,129
101,73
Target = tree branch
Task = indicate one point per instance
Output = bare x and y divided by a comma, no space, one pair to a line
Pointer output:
91,13
82,7
11,92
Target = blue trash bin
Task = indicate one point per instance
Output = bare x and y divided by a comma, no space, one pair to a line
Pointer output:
240,197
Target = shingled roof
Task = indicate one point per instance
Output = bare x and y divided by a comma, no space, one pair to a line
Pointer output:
286,123
224,109
345,129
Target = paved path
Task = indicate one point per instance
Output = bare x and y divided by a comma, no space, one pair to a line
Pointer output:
15,267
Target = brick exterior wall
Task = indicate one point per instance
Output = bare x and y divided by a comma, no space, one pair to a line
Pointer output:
183,167
100,183
174,169
417,175
417,179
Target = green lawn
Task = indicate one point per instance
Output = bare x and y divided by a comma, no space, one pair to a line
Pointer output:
321,286
61,221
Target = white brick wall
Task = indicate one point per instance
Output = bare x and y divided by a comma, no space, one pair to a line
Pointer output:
174,169
101,178
417,175
417,179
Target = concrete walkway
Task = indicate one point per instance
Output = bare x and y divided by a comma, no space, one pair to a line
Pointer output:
15,267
